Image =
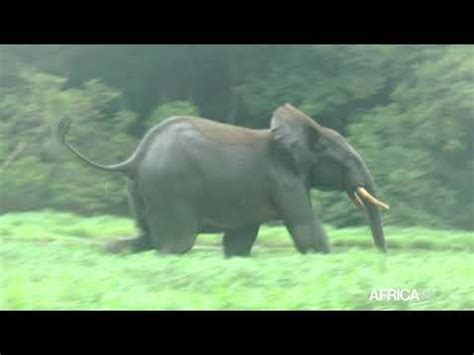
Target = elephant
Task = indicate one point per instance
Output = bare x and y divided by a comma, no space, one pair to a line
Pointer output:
191,175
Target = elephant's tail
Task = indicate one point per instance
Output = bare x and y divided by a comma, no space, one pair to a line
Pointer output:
124,167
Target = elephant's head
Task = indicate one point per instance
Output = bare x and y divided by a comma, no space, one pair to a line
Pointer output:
326,160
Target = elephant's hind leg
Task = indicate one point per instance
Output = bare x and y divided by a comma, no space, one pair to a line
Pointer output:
173,228
181,245
239,242
142,242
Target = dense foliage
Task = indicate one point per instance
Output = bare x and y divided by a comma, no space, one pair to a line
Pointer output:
408,109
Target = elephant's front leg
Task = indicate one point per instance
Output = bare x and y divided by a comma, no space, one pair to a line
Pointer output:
308,236
239,242
294,205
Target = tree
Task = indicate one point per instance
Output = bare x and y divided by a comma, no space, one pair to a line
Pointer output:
36,171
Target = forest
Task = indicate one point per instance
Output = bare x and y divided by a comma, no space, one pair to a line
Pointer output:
407,108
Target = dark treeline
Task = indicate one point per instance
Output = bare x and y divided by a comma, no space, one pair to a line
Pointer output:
408,109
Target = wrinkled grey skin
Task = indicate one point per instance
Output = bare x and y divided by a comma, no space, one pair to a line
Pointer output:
191,175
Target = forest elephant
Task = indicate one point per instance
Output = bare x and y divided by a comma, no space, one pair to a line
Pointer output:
191,175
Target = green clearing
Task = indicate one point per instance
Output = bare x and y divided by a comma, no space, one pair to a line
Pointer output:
54,261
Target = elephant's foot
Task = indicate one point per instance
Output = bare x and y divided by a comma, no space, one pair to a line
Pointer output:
179,247
324,249
309,238
239,242
133,245
236,247
236,253
322,244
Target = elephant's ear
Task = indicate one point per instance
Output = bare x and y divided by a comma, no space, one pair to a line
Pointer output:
295,133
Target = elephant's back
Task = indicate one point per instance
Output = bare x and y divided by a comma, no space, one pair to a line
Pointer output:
181,144
229,134
221,132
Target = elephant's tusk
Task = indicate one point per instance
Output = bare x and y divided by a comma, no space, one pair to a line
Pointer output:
368,197
355,200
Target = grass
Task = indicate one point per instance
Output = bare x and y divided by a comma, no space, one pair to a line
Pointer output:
54,261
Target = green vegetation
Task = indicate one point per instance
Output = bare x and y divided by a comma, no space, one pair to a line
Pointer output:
55,261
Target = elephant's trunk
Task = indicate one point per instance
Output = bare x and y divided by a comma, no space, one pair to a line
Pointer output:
372,205
375,220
